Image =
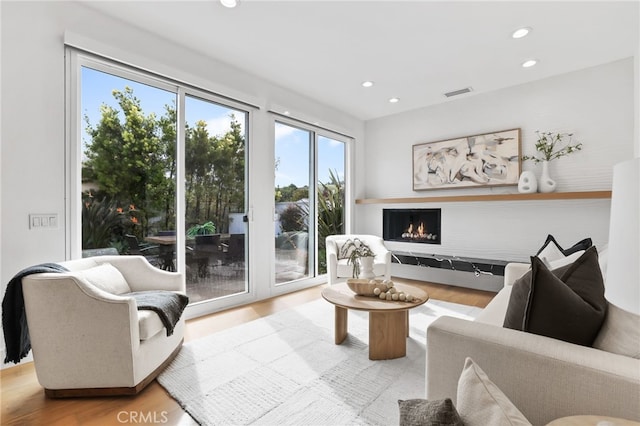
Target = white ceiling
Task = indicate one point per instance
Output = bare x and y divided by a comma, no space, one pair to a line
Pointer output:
413,50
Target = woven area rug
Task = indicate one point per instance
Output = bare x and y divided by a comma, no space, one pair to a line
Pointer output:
284,369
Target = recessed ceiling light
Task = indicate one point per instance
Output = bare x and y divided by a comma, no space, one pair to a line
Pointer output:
394,100
529,63
229,3
367,83
521,32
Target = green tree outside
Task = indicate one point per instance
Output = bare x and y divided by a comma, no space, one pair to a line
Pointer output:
133,163
131,158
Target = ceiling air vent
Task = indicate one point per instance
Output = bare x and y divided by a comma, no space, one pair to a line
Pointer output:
458,92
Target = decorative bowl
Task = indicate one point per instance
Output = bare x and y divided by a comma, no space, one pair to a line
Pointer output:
363,286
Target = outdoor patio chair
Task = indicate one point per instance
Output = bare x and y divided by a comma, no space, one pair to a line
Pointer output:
149,251
206,253
235,249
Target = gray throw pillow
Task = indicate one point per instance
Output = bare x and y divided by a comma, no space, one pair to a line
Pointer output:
421,412
566,303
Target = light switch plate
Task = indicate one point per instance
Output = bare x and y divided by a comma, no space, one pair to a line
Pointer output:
43,221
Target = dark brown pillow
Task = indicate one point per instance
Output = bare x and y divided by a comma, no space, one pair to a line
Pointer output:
421,412
567,303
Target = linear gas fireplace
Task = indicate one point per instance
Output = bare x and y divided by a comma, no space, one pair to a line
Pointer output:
411,225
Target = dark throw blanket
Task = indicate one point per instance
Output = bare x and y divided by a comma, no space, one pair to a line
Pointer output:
167,304
14,317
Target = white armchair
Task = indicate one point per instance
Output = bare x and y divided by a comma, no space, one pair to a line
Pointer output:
340,268
88,337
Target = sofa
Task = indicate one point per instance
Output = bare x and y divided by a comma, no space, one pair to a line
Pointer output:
88,335
545,378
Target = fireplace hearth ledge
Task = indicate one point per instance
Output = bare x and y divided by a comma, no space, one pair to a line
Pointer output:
481,274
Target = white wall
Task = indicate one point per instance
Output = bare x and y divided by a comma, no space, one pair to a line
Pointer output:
597,104
33,174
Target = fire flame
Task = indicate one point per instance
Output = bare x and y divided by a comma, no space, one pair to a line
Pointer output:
418,232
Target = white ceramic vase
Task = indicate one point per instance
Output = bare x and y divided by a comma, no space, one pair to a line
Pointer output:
366,267
546,184
527,183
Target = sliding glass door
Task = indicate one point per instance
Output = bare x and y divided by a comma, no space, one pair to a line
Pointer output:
330,211
162,174
160,169
128,173
309,199
293,197
215,199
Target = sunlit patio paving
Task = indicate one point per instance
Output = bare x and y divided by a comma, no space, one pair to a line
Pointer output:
219,280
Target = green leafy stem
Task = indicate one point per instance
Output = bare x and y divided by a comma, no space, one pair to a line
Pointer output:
552,146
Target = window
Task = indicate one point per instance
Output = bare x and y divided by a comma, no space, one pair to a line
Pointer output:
160,168
160,172
309,199
215,198
128,164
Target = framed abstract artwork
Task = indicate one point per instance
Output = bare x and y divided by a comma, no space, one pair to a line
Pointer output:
489,159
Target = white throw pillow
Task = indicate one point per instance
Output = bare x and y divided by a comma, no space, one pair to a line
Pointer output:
551,250
481,403
553,258
550,253
106,277
620,333
563,261
603,259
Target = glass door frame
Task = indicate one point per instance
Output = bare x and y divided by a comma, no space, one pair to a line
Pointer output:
316,133
213,305
74,61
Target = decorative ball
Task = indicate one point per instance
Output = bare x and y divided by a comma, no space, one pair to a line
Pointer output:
394,296
383,296
377,291
402,296
389,296
409,298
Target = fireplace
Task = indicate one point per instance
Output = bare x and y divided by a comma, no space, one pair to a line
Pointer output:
411,225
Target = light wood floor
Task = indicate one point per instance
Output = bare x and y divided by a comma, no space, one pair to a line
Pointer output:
24,403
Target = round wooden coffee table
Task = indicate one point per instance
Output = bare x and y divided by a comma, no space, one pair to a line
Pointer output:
388,320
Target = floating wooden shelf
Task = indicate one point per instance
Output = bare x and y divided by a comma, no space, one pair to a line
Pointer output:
583,195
